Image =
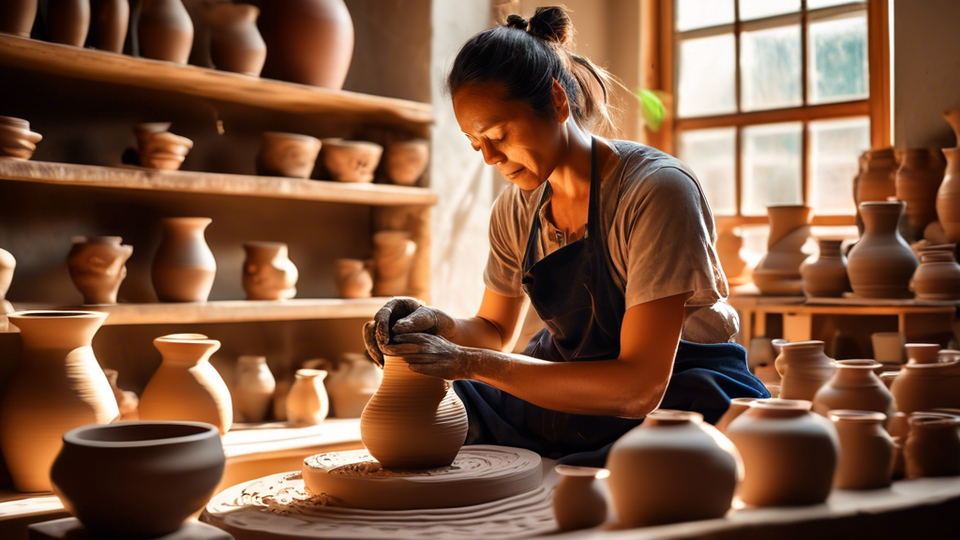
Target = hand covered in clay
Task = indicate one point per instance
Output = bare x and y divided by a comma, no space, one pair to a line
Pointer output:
378,331
431,355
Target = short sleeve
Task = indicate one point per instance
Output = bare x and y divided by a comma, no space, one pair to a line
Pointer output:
503,272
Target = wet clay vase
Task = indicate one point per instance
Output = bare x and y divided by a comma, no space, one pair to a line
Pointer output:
287,154
186,386
97,267
877,181
671,468
268,272
353,278
165,31
350,161
778,272
127,401
578,500
310,41
17,16
393,253
252,389
882,263
235,42
789,454
162,150
58,386
307,402
413,421
16,139
405,161
855,386
927,386
7,265
352,384
933,447
138,479
917,182
866,450
826,276
737,407
184,267
803,369
938,276
68,21
110,20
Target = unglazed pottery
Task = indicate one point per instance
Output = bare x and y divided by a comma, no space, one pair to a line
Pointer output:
887,347
7,264
161,149
165,31
789,454
352,384
866,450
310,41
738,406
184,267
729,245
307,402
287,154
68,21
672,468
917,182
855,386
826,276
16,139
268,272
186,386
97,267
876,182
393,253
58,386
882,263
235,43
413,421
778,272
16,17
405,161
948,355
253,389
109,21
933,446
353,278
922,353
350,161
127,401
136,479
803,369
578,501
926,386
948,196
938,276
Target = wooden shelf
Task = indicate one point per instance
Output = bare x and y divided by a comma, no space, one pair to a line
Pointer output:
213,183
108,67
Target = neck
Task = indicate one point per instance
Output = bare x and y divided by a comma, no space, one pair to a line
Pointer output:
571,178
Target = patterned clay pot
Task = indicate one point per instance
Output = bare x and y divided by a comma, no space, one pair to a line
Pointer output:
235,42
405,161
287,154
881,264
938,276
352,384
948,196
268,272
877,180
16,139
578,501
17,16
927,386
866,450
253,389
933,447
393,253
307,402
855,386
353,278
827,276
165,31
97,267
184,267
110,20
803,369
351,161
68,21
917,182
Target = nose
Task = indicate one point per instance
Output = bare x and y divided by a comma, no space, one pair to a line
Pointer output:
491,155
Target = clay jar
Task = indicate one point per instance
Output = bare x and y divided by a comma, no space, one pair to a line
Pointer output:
58,386
350,161
252,389
737,407
927,386
161,149
235,42
136,479
287,154
948,196
827,276
393,253
789,454
310,41
877,180
186,386
68,21
933,446
17,16
353,278
352,384
110,20
881,264
307,402
938,276
165,31
413,421
803,369
405,161
16,139
855,386
778,272
578,501
7,264
917,182
268,272
97,267
184,267
866,450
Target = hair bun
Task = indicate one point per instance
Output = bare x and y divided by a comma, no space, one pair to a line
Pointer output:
551,24
516,21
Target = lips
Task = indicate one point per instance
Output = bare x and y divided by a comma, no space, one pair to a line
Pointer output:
512,174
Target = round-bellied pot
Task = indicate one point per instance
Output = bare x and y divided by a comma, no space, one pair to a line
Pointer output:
287,154
738,406
393,253
877,180
16,139
268,272
927,386
17,16
97,267
235,42
948,196
578,501
933,446
350,161
307,402
165,31
184,267
938,276
253,388
917,182
406,160
855,386
866,450
68,21
881,264
803,369
826,276
353,278
109,21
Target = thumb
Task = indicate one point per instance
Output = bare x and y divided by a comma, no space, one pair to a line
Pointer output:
421,320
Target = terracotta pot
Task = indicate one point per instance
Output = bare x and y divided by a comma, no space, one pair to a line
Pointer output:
393,253
413,421
917,182
578,501
186,386
933,447
406,161
16,139
17,16
127,401
738,406
855,386
922,353
268,272
68,21
789,454
307,402
184,267
110,20
352,384
729,244
778,272
138,478
97,267
165,31
866,450
57,386
287,154
938,276
235,42
826,276
924,387
7,264
350,161
253,389
353,278
163,150
877,180
881,264
803,369
310,41
948,196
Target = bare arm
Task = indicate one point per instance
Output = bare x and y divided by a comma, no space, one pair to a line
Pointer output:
494,326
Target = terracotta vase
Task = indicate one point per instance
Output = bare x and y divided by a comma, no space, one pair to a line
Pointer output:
253,389
268,272
393,253
803,369
405,161
927,386
58,386
287,154
729,245
127,401
235,43
350,161
17,16
866,450
186,386
855,386
413,421
881,264
578,500
778,272
877,180
953,118
165,31
310,41
138,479
938,276
933,447
7,264
184,267
68,21
97,267
307,402
917,182
948,196
738,406
16,139
110,20
353,278
162,150
789,454
352,384
826,276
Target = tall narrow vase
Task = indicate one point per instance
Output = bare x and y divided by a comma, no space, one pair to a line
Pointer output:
17,16
68,21
881,264
948,196
110,20
918,180
184,267
165,31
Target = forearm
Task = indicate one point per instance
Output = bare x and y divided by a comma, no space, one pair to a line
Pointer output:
477,332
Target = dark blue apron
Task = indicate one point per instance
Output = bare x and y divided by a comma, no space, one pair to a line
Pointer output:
582,308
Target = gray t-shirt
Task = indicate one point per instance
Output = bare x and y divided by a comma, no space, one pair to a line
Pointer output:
661,238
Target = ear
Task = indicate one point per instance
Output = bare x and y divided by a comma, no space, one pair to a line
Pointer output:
561,107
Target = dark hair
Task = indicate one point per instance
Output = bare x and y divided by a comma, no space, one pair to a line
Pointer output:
527,56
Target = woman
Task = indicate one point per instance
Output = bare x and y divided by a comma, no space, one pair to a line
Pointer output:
612,241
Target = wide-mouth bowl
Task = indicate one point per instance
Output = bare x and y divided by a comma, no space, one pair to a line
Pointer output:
140,434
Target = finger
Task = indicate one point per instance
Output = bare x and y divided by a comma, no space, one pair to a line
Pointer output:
404,349
419,339
382,323
421,320
370,342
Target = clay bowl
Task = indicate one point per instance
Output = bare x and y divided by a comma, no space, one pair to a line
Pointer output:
164,150
16,139
138,478
351,161
405,161
287,154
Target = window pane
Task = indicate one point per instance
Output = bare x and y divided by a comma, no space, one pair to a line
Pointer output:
816,4
707,71
702,13
756,9
771,166
710,153
838,59
770,68
835,146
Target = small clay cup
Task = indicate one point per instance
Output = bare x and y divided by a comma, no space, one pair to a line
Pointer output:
578,500
287,154
162,150
351,161
16,139
405,161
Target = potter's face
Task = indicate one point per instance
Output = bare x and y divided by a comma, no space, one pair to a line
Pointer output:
524,146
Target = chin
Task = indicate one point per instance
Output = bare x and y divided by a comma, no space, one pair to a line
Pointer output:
526,182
